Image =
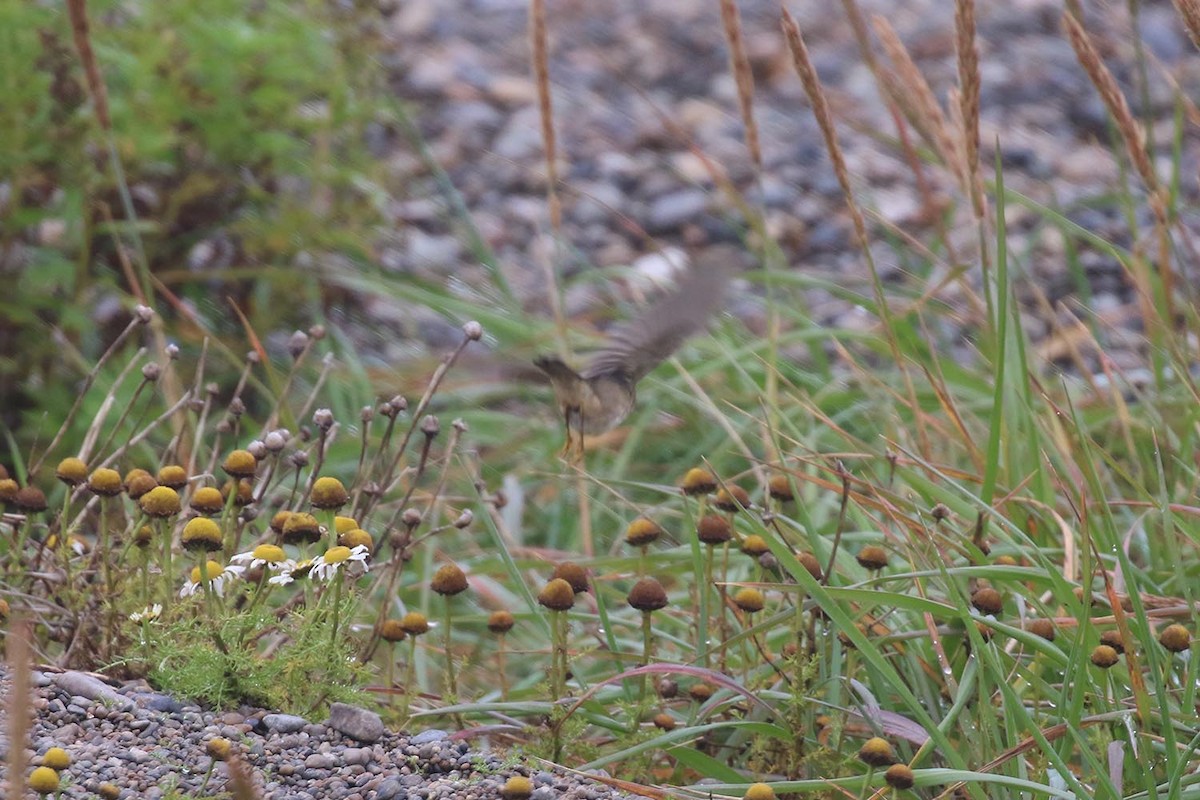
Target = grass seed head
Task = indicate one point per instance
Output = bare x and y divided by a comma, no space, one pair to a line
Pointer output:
31,500
732,498
988,601
1043,628
872,557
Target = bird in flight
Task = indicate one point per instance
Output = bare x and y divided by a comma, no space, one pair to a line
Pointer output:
598,397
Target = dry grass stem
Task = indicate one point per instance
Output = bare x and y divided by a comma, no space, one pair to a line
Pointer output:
967,50
927,113
77,11
1130,129
739,62
541,75
1190,11
17,653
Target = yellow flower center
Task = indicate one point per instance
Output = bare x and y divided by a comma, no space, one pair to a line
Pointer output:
214,571
270,553
336,555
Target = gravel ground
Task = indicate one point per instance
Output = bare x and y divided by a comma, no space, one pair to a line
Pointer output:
632,185
147,744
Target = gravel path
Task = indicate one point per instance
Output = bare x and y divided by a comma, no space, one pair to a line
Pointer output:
147,744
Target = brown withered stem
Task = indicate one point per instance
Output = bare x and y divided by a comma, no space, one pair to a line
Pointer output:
739,63
17,654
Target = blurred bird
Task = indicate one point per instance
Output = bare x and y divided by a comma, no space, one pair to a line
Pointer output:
598,397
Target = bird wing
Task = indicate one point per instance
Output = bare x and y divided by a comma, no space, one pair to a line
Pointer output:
638,346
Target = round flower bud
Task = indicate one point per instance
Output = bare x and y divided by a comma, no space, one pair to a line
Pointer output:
323,419
329,493
143,536
201,533
160,502
8,490
500,622
414,623
1175,638
355,537
779,487
573,574
664,721
750,600
872,557
759,791
642,532
218,748
876,752
755,545
278,520
411,518
899,776
988,601
430,426
71,471
647,595
713,529
698,481
940,512
732,498
105,482
392,631
56,758
245,492
464,519
207,500
173,476
138,482
1104,656
473,330
1113,639
4,609
518,787
1043,628
557,595
240,464
297,344
43,780
274,442
700,692
30,499
258,449
667,689
301,528
343,524
449,580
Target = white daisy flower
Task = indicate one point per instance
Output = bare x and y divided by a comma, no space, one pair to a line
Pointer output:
326,567
147,614
265,555
218,576
290,570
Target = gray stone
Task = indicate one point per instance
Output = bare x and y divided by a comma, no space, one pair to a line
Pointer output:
284,723
83,685
428,737
357,723
669,211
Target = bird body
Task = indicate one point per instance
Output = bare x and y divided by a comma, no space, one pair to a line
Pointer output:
597,398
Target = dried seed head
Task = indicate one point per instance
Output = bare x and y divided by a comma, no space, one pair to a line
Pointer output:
1104,656
108,791
278,520
872,557
143,313
138,482
1175,638
940,512
244,495
329,493
557,595
274,442
8,490
297,344
810,563
664,721
759,791
171,351
876,752
642,532
750,600
240,464
573,574
755,545
988,601
700,692
105,482
151,372
430,426
518,787
258,449
298,459
667,688
218,748
899,776
500,621
779,487
647,595
355,537
301,528
30,499
464,519
1113,639
714,529
473,330
201,533
323,419
172,476
732,498
414,623
237,407
71,471
698,481
411,518
1043,628
392,630
160,502
449,580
